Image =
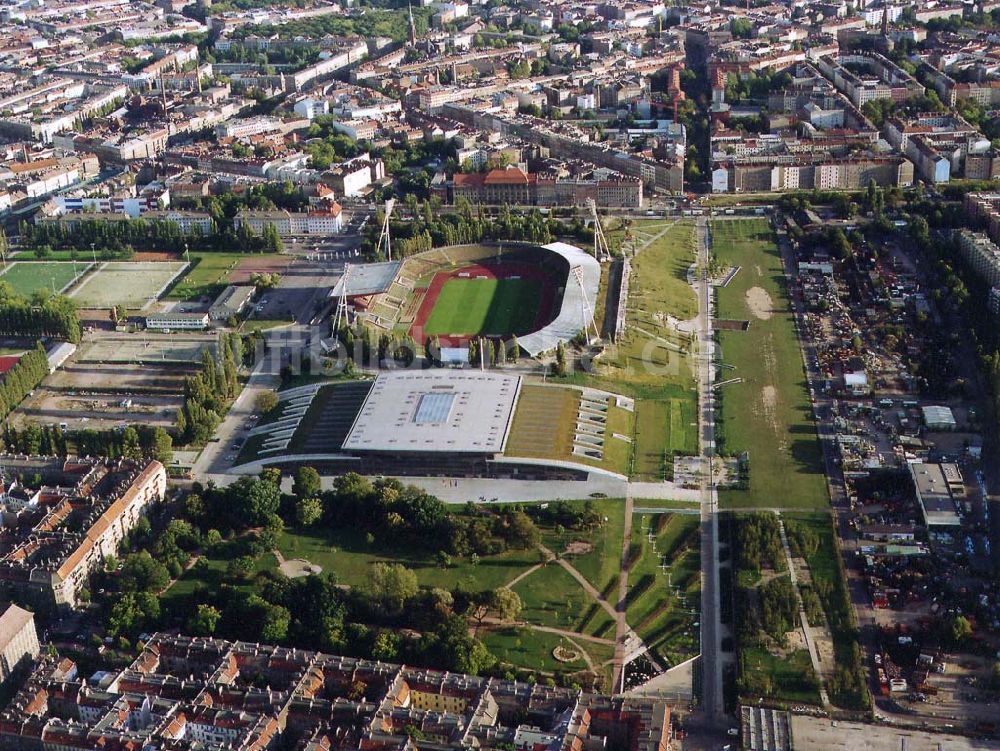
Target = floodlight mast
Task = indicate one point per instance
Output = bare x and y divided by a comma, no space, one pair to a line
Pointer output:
384,239
341,316
588,310
602,251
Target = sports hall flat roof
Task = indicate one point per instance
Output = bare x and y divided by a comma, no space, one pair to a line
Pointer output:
577,303
443,411
367,279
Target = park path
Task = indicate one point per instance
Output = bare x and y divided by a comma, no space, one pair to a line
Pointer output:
589,588
493,622
806,631
527,572
622,629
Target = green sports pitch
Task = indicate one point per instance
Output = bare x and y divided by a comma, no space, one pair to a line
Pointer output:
492,307
27,276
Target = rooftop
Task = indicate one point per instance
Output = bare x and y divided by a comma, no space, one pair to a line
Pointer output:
450,411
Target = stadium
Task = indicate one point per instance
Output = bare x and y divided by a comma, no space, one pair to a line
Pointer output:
448,422
540,294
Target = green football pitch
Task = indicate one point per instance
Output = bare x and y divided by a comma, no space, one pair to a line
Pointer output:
493,307
26,277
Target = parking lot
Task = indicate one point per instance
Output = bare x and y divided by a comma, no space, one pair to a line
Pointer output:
822,734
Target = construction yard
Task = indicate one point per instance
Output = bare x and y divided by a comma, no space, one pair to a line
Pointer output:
115,379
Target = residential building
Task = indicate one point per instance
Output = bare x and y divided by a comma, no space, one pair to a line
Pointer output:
187,693
78,524
18,640
981,254
317,222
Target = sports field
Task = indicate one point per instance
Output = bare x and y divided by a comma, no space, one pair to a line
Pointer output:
132,284
28,276
768,413
494,307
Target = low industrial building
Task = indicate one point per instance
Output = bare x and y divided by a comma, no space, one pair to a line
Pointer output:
232,301
934,489
177,321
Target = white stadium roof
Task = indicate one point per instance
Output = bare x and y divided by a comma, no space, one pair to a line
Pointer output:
367,279
436,410
573,313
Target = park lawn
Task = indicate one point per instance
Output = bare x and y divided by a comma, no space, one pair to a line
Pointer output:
552,597
347,554
824,565
602,564
792,676
544,425
526,648
262,324
663,427
659,273
208,275
768,415
494,307
664,621
667,505
27,276
175,598
654,432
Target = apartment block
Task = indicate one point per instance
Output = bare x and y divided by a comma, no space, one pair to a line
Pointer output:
69,529
186,693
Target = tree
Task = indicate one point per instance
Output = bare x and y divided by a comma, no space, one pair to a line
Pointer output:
204,620
307,483
386,646
162,448
274,624
143,573
561,359
253,500
390,585
308,511
959,629
265,402
130,444
522,532
507,604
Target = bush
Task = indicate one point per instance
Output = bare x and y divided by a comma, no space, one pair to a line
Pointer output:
265,402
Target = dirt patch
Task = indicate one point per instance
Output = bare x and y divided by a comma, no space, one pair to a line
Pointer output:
769,399
297,567
152,255
769,395
578,547
760,303
247,266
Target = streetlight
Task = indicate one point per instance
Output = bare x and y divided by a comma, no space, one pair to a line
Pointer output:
93,252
